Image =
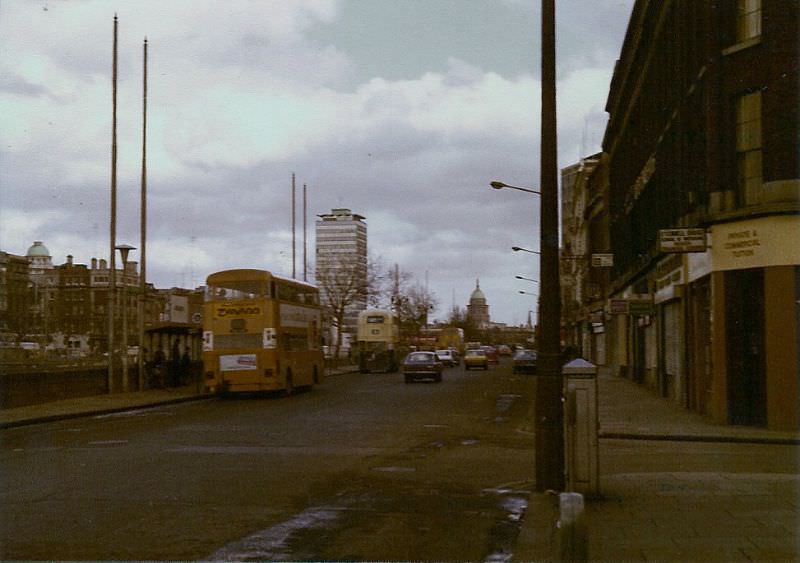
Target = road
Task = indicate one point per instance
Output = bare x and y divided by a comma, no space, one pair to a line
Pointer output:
362,467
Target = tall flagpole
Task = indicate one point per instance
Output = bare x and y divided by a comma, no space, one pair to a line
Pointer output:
294,268
112,265
143,225
305,243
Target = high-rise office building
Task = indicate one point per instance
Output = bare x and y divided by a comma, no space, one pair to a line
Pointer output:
341,253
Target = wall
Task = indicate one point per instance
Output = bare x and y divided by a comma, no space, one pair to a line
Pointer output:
781,348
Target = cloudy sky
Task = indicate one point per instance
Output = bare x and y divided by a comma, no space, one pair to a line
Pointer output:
401,110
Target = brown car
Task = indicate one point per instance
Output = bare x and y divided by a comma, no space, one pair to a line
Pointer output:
422,365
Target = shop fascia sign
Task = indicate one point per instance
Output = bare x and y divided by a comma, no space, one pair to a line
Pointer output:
682,240
632,307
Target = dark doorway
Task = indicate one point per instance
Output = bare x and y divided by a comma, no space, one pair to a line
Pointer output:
744,316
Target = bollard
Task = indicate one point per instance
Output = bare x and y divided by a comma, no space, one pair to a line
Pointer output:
571,528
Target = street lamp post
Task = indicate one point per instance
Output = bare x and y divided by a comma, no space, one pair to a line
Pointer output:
500,185
549,433
519,248
124,249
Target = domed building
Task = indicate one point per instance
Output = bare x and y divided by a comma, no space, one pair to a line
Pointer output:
478,310
39,257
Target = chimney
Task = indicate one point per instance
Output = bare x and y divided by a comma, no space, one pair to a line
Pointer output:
103,264
94,263
69,259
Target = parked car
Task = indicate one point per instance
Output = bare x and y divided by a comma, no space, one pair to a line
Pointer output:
422,365
475,358
504,350
524,361
446,357
491,354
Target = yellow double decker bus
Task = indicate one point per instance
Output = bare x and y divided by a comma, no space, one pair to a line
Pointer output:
378,339
261,332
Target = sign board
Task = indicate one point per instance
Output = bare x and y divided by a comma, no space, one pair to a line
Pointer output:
237,362
618,306
640,307
635,307
602,260
269,339
756,243
682,240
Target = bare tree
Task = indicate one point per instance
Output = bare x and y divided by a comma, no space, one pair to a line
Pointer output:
343,284
414,305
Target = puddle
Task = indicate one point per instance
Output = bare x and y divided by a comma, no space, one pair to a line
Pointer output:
135,412
504,533
395,469
108,443
504,402
470,442
273,544
235,450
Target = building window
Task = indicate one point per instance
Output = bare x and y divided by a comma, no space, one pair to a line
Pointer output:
748,147
748,19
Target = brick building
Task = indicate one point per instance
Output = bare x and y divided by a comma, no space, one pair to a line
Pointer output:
703,133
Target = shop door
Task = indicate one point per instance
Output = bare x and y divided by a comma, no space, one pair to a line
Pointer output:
744,320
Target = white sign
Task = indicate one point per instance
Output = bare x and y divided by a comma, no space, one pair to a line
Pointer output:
756,243
238,362
178,309
602,260
682,240
208,341
270,341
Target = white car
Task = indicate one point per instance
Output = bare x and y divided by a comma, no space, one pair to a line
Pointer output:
446,357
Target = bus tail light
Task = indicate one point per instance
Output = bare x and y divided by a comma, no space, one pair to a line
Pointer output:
268,373
209,375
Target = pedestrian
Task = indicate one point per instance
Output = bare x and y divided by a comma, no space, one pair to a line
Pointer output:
158,365
175,365
186,365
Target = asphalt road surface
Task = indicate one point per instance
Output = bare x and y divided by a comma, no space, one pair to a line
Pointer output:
362,467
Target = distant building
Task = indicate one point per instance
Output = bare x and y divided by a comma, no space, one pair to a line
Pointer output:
341,239
478,309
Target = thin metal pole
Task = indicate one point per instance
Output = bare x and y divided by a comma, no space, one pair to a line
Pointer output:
124,291
112,264
294,268
549,434
305,234
143,226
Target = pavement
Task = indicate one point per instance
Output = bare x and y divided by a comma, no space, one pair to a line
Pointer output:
108,404
674,486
